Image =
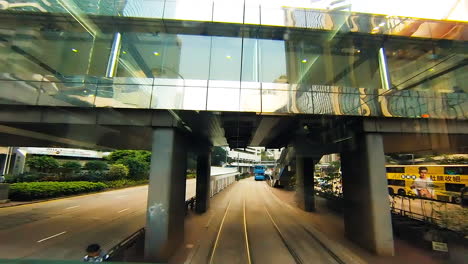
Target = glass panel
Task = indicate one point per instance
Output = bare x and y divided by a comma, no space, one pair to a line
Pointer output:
273,16
223,99
302,102
295,17
19,92
342,63
228,11
226,59
171,59
33,53
195,57
195,98
423,66
123,95
318,20
188,98
250,100
252,14
168,97
325,103
76,91
201,10
275,101
273,61
143,8
250,60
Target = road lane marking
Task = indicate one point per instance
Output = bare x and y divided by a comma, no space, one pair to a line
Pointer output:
123,210
246,237
219,233
72,207
122,196
47,238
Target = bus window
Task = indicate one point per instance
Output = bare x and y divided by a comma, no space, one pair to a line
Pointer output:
456,170
396,182
395,169
454,187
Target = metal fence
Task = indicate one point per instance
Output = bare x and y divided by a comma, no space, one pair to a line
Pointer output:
131,248
219,182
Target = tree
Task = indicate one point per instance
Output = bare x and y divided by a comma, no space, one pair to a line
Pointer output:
72,166
117,172
191,162
42,163
138,169
119,155
137,162
218,156
96,165
264,156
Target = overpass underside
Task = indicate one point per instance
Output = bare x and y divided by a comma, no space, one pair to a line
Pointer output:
173,86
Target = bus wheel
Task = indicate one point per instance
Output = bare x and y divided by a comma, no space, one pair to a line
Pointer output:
456,200
390,191
401,192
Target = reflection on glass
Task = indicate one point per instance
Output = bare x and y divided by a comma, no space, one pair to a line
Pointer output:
123,96
275,101
195,98
228,11
143,8
252,14
272,61
423,67
250,100
168,97
225,58
201,10
77,92
273,16
19,92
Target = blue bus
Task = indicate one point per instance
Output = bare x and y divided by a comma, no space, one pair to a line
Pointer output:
259,173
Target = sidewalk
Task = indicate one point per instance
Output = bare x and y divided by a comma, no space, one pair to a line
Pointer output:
331,224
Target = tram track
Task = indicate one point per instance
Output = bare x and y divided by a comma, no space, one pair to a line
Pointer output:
249,230
294,254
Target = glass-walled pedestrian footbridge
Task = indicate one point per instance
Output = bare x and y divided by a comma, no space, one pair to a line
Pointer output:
249,56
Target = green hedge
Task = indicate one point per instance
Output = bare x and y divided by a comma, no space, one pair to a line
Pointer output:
125,183
26,191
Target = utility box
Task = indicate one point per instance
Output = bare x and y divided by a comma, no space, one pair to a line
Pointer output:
4,188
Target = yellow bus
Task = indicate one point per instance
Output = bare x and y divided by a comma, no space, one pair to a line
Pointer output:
444,182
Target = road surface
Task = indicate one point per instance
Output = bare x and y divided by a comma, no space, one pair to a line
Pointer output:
61,229
251,225
248,224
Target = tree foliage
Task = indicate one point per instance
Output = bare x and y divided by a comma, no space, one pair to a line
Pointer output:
117,172
138,169
264,156
96,165
119,155
218,156
42,163
137,162
73,166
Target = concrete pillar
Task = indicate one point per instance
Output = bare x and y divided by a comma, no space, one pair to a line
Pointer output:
366,205
305,183
166,195
203,182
